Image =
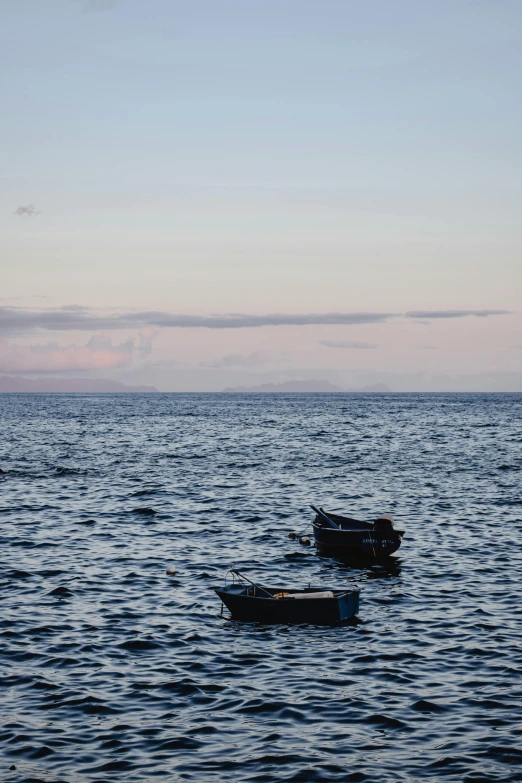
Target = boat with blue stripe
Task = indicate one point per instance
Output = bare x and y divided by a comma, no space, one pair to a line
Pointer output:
249,602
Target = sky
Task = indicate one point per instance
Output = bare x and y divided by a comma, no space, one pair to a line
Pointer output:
211,193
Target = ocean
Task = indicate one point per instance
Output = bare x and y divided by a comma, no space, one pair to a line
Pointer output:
111,668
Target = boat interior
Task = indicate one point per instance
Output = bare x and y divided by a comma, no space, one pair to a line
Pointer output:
345,523
254,591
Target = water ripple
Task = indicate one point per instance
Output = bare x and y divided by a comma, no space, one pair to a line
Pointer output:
110,666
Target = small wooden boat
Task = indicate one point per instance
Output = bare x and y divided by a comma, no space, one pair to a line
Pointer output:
313,605
350,539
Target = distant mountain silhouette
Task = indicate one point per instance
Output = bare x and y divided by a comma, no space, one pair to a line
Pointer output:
372,387
9,383
288,386
302,386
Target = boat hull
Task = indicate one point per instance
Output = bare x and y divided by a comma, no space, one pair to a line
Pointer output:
363,544
312,611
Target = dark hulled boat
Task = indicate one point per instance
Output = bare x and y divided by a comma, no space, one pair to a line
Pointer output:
351,539
271,605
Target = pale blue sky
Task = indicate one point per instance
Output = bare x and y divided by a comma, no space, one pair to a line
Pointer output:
258,156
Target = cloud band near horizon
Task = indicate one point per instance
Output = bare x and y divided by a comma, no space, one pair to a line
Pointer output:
18,320
357,344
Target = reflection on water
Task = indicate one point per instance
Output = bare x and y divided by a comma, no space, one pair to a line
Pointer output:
110,666
391,566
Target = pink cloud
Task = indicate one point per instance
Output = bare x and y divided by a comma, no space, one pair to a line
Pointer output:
98,354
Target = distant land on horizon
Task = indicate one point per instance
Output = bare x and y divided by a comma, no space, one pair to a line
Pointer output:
9,383
304,386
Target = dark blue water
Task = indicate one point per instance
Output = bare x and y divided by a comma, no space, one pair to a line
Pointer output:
111,669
